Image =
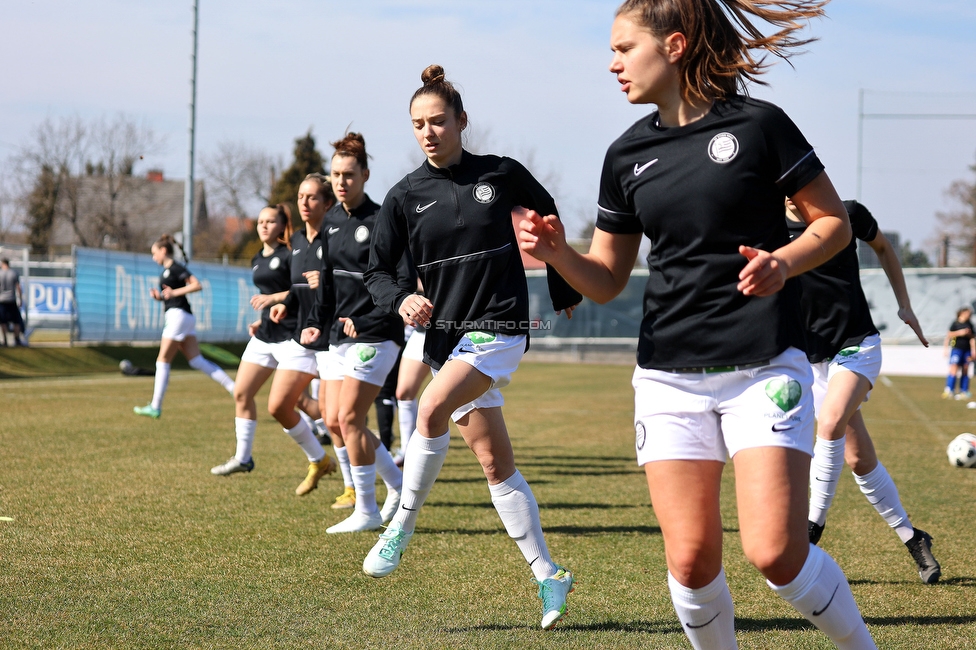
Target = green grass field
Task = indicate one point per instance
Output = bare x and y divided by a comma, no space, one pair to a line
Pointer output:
121,537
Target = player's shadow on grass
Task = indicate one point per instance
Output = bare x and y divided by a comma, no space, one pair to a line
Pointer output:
958,581
542,506
647,627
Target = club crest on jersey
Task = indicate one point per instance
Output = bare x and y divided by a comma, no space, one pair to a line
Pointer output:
723,148
483,193
273,264
166,273
318,252
361,234
641,434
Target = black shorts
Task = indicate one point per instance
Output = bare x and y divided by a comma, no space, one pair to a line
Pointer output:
9,313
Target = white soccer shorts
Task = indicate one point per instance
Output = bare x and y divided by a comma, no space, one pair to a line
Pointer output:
863,359
178,324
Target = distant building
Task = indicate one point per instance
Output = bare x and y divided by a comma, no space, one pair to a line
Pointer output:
866,257
130,216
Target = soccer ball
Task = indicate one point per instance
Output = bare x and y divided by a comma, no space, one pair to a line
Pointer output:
125,365
962,450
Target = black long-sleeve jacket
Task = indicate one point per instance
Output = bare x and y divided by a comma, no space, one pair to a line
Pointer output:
457,224
348,236
310,256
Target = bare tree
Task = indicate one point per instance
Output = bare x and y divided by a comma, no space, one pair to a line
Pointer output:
958,227
239,179
80,173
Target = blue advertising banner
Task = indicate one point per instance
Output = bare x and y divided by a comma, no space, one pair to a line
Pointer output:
50,299
114,304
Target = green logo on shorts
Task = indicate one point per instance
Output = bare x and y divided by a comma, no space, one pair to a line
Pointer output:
364,352
480,337
784,394
849,352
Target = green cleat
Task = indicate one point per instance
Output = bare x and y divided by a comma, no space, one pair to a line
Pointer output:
553,592
148,411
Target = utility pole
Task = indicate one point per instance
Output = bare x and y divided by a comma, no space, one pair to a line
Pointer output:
188,190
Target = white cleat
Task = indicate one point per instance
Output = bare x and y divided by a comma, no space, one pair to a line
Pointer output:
358,522
391,504
385,555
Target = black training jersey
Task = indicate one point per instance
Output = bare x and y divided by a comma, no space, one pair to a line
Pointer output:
349,237
272,274
961,341
175,276
457,225
310,256
832,303
698,192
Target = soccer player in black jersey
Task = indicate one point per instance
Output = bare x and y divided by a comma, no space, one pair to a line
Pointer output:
179,328
308,268
844,349
272,346
454,214
960,348
720,368
364,341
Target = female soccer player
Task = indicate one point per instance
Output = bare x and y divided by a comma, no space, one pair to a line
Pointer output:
454,214
960,347
179,328
364,341
719,373
309,268
844,348
272,346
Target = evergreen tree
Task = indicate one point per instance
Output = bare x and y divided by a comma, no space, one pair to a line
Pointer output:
307,160
41,206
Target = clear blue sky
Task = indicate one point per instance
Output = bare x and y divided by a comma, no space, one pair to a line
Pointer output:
533,75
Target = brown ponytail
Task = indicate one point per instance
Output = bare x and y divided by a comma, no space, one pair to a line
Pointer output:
719,60
352,145
436,84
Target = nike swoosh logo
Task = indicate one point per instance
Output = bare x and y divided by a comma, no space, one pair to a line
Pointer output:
296,251
421,208
823,480
816,613
779,428
639,169
409,509
333,231
698,627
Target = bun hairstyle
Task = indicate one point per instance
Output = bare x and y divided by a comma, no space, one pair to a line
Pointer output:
166,243
325,186
352,145
436,84
283,213
719,60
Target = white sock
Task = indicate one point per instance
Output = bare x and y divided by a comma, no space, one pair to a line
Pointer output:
516,505
344,466
364,480
307,419
387,469
159,384
213,371
821,594
307,441
882,493
426,459
825,469
320,426
313,388
245,438
706,613
407,415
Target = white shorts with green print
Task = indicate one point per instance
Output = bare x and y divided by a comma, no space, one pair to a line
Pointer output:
367,362
494,355
863,358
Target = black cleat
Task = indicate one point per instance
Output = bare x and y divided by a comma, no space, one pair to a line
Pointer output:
920,546
814,531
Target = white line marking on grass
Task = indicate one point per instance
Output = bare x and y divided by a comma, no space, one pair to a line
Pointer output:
919,414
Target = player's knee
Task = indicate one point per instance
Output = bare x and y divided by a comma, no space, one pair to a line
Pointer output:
432,416
779,562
